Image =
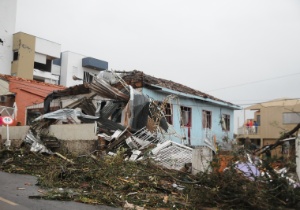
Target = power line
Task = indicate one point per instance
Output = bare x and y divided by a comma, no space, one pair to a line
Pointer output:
251,102
253,82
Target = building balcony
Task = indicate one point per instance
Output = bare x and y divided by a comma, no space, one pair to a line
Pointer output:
248,131
45,76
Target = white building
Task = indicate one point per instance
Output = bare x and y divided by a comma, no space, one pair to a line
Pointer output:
30,57
8,11
76,68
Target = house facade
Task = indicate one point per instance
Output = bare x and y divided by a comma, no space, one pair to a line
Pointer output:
273,118
25,96
195,118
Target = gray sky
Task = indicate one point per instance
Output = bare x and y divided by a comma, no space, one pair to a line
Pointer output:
205,44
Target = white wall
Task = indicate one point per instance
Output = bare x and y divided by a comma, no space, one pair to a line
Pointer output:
68,60
74,131
43,46
8,11
15,132
55,69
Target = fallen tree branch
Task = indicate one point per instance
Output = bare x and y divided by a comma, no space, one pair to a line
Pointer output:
63,157
278,141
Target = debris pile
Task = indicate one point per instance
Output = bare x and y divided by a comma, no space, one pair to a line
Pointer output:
134,166
111,180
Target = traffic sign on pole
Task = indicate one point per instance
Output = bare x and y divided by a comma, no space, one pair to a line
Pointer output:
7,120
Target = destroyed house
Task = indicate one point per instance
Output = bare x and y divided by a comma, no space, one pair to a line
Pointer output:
195,118
132,101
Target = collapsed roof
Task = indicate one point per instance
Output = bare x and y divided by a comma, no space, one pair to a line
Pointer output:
138,79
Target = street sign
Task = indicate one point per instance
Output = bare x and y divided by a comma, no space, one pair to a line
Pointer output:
7,120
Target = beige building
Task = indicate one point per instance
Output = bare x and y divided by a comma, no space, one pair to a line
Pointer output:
33,56
273,118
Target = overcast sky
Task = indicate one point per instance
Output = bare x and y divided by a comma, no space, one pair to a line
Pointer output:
242,51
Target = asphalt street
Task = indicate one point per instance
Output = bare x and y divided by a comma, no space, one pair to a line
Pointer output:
15,189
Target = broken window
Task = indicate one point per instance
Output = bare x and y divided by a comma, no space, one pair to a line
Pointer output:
168,113
32,114
291,118
186,116
16,55
206,119
225,122
87,77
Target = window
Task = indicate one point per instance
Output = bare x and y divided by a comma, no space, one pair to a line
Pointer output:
87,77
186,116
16,55
43,67
291,118
168,113
225,122
32,114
206,119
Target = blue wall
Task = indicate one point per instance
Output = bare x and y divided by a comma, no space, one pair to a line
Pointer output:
197,106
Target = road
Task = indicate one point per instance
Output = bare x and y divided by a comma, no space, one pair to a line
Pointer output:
15,189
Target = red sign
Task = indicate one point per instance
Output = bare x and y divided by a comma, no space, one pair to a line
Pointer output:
7,120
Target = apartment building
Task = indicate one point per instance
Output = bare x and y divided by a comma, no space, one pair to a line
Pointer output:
33,56
272,119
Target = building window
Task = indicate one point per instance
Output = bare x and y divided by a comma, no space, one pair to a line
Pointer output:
225,122
291,118
32,114
43,67
168,113
16,55
87,77
186,116
206,119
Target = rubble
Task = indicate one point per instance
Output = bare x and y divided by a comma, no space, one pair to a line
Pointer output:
135,167
111,180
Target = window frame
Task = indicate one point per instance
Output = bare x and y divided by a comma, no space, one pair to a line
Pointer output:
15,55
226,118
208,115
189,120
168,112
87,77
